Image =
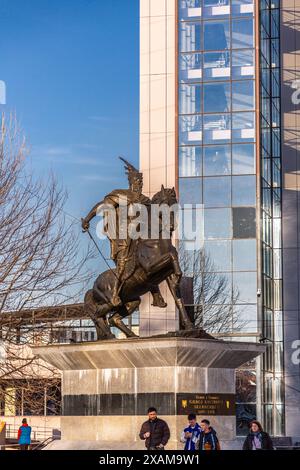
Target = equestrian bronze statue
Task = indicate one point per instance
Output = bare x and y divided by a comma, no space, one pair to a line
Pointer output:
141,264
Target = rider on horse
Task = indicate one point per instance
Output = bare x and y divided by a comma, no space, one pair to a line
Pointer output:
121,247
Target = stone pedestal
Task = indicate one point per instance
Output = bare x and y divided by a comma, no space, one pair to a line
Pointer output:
108,386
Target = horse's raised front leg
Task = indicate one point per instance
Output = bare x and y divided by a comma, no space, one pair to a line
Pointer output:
175,291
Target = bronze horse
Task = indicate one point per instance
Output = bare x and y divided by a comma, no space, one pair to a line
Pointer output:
150,263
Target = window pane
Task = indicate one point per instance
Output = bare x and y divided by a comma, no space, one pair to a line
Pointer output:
216,97
244,222
242,34
216,35
190,129
242,7
190,36
243,127
191,228
245,413
216,65
245,317
217,299
217,223
217,160
189,9
245,283
190,161
244,255
216,8
244,190
243,64
217,128
190,3
243,159
243,95
218,255
190,99
190,66
246,386
190,191
217,191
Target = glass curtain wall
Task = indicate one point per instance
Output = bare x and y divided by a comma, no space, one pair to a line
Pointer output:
273,390
216,106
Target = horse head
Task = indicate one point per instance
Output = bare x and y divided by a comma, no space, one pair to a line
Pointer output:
165,196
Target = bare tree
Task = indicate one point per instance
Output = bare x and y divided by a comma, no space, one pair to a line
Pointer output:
41,262
208,294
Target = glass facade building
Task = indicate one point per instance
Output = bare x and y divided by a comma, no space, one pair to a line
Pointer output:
229,160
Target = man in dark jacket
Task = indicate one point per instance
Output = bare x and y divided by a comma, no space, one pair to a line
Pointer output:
155,431
208,437
257,439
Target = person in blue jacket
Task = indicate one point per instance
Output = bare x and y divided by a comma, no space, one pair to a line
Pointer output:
190,435
24,434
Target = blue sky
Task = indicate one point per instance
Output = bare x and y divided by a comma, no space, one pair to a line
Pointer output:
71,71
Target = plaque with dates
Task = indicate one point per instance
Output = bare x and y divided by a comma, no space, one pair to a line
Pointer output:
206,404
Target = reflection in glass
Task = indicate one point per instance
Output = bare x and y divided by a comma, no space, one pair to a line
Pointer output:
246,386
217,160
190,129
245,317
268,416
245,413
242,34
242,7
190,67
190,191
217,223
217,191
244,255
243,95
243,159
190,3
216,65
243,64
244,190
279,419
246,284
190,161
190,99
217,128
216,97
219,254
216,35
215,3
189,8
190,36
216,8
243,127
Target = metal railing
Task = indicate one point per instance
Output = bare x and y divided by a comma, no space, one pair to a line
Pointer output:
37,432
42,444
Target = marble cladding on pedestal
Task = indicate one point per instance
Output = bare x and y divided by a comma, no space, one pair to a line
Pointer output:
148,380
125,429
